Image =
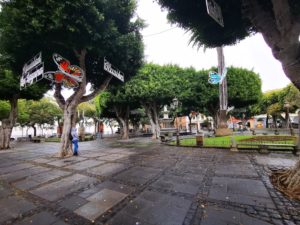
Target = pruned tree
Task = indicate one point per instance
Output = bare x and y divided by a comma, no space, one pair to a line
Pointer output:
154,86
279,23
82,31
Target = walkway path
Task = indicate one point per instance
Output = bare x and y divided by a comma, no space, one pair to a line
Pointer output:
140,183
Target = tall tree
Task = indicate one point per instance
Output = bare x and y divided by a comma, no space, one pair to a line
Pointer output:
154,86
82,31
277,20
10,91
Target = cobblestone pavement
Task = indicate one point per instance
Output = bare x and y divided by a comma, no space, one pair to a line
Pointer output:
140,182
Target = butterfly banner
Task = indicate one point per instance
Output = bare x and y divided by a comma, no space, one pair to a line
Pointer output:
69,75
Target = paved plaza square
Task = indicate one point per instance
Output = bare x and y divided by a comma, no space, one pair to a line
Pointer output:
141,182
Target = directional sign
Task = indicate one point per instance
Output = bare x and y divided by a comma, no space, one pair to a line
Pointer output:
113,71
32,72
214,10
213,77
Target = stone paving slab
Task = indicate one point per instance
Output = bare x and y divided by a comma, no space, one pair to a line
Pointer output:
12,207
243,191
138,175
66,162
99,203
42,218
219,216
236,170
107,169
178,184
276,160
41,178
85,164
28,172
74,202
155,208
106,185
59,189
14,168
112,157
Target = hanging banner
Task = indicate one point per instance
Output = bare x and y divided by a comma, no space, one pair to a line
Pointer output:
69,75
214,77
113,71
32,71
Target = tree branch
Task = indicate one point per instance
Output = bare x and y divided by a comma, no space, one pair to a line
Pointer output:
58,96
282,13
102,87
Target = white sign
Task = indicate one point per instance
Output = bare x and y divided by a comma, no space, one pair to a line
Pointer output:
32,63
214,10
115,72
32,75
32,71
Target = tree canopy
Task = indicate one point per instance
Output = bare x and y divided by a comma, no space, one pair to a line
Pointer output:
277,21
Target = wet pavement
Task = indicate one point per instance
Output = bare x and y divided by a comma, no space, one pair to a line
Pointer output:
141,182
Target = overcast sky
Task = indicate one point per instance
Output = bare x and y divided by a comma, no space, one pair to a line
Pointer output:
165,43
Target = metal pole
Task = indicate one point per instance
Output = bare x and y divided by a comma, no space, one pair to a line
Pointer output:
223,97
177,132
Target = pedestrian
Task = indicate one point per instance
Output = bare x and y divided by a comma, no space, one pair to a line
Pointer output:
75,140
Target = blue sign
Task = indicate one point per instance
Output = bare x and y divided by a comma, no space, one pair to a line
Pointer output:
214,77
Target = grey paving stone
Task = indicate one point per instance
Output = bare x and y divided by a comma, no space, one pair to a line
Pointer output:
112,157
13,206
245,191
66,162
94,154
14,168
84,164
178,184
73,203
276,160
41,178
124,219
107,169
236,169
17,175
219,216
99,203
138,175
42,218
156,208
106,185
59,189
4,192
43,160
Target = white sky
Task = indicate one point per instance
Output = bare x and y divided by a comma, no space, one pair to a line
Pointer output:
172,46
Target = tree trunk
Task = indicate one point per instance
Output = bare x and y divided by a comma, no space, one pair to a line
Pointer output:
122,113
34,130
151,110
8,124
190,124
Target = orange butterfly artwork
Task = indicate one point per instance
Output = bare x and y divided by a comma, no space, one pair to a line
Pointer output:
69,75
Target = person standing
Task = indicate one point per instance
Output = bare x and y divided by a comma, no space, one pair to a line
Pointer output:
74,140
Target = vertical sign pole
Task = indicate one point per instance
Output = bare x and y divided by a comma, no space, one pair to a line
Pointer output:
222,90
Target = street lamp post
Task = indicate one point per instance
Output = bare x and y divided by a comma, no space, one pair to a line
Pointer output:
176,103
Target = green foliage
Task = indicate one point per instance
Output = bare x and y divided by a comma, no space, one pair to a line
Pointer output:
192,15
154,83
4,109
104,28
38,112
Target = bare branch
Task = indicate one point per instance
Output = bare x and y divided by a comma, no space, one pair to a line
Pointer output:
102,87
58,96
